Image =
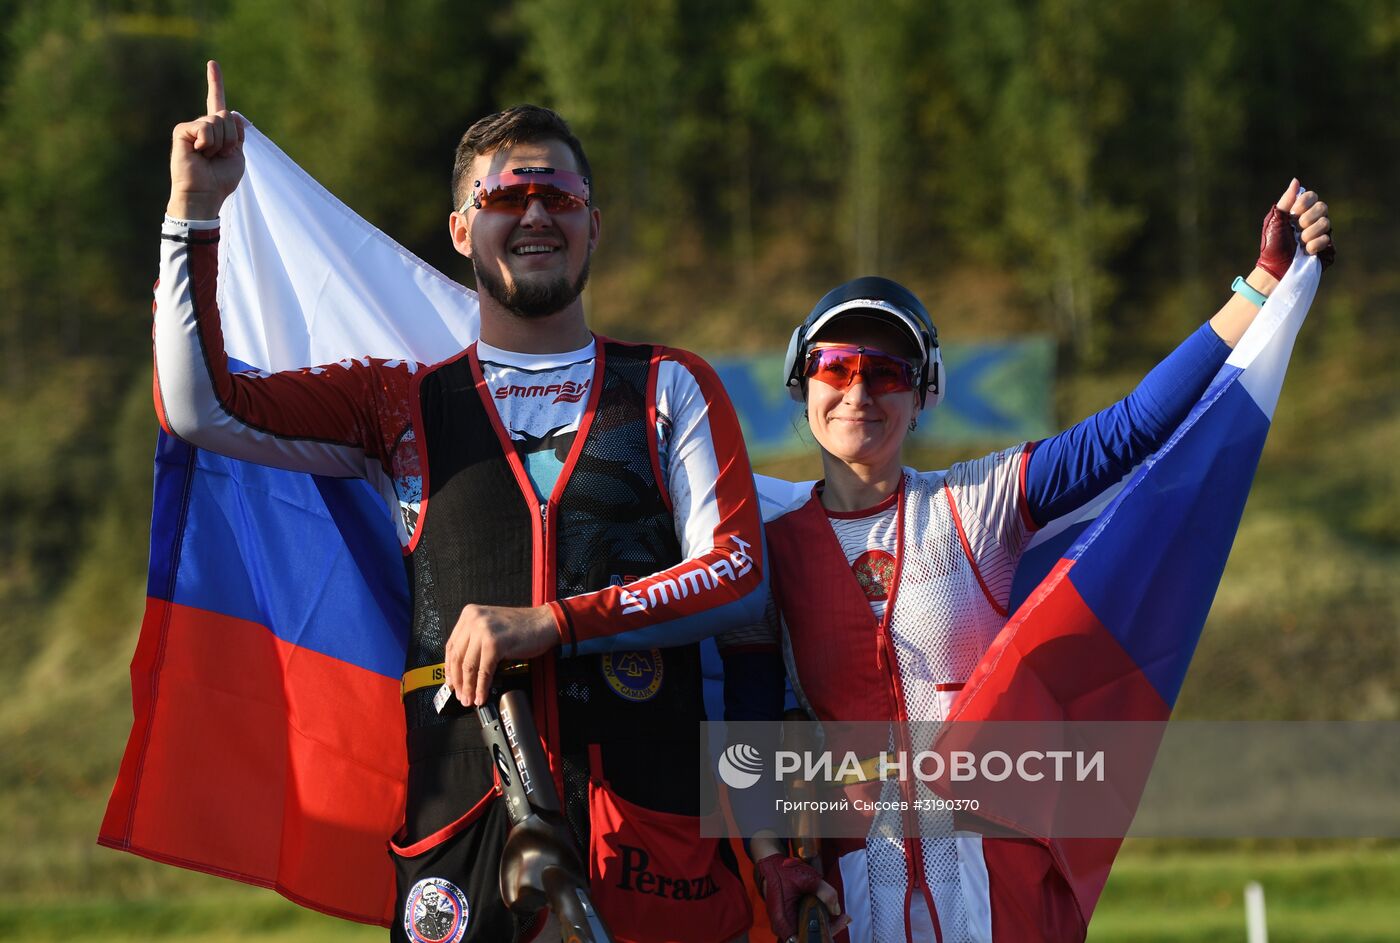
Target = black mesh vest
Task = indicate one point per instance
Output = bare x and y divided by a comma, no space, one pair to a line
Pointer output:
611,521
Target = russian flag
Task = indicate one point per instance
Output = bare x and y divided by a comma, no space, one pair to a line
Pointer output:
1111,599
268,740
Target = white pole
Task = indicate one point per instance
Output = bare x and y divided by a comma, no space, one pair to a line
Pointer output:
1254,913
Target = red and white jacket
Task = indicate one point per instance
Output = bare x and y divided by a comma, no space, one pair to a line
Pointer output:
959,535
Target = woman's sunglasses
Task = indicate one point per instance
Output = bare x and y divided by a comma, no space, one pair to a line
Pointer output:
838,366
511,192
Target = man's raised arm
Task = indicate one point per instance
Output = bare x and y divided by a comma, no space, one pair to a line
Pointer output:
325,420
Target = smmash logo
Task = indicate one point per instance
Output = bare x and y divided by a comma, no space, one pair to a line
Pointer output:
636,877
689,581
566,392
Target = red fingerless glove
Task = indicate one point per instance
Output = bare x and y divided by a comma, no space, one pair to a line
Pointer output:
785,880
1277,243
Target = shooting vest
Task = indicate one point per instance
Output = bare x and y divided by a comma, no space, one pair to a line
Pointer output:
938,622
487,539
622,728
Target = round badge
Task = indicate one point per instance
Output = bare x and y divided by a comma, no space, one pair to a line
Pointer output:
435,912
874,571
633,676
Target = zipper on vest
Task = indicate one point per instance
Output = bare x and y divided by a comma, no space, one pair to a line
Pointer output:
913,831
912,841
547,590
545,685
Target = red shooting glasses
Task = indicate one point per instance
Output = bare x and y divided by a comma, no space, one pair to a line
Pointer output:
511,192
838,366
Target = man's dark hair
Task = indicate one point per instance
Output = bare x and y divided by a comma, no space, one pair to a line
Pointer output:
522,124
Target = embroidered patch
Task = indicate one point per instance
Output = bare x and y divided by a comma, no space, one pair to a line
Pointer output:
435,912
635,676
874,571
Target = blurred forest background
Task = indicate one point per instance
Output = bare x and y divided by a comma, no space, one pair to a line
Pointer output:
1092,170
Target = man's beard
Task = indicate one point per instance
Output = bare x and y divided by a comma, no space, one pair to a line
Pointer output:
530,298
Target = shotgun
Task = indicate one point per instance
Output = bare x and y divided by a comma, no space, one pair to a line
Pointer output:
540,865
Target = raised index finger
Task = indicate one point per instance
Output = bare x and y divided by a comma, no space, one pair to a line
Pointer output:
215,102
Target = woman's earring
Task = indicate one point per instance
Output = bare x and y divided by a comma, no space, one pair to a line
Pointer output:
913,424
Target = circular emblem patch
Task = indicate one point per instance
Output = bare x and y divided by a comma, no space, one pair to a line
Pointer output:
635,676
874,571
435,912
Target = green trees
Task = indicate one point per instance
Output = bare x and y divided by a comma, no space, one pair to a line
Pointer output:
370,98
84,119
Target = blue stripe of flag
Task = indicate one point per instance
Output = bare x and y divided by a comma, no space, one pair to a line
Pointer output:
1037,562
1150,565
314,559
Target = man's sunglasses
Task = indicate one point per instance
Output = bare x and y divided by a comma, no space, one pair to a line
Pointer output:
511,192
838,366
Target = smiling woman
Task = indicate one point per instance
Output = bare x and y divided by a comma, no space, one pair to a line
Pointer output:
861,402
890,584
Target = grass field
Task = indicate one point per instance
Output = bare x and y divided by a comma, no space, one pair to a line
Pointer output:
1181,897
1156,895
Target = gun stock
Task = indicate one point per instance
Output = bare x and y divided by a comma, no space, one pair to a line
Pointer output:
540,864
